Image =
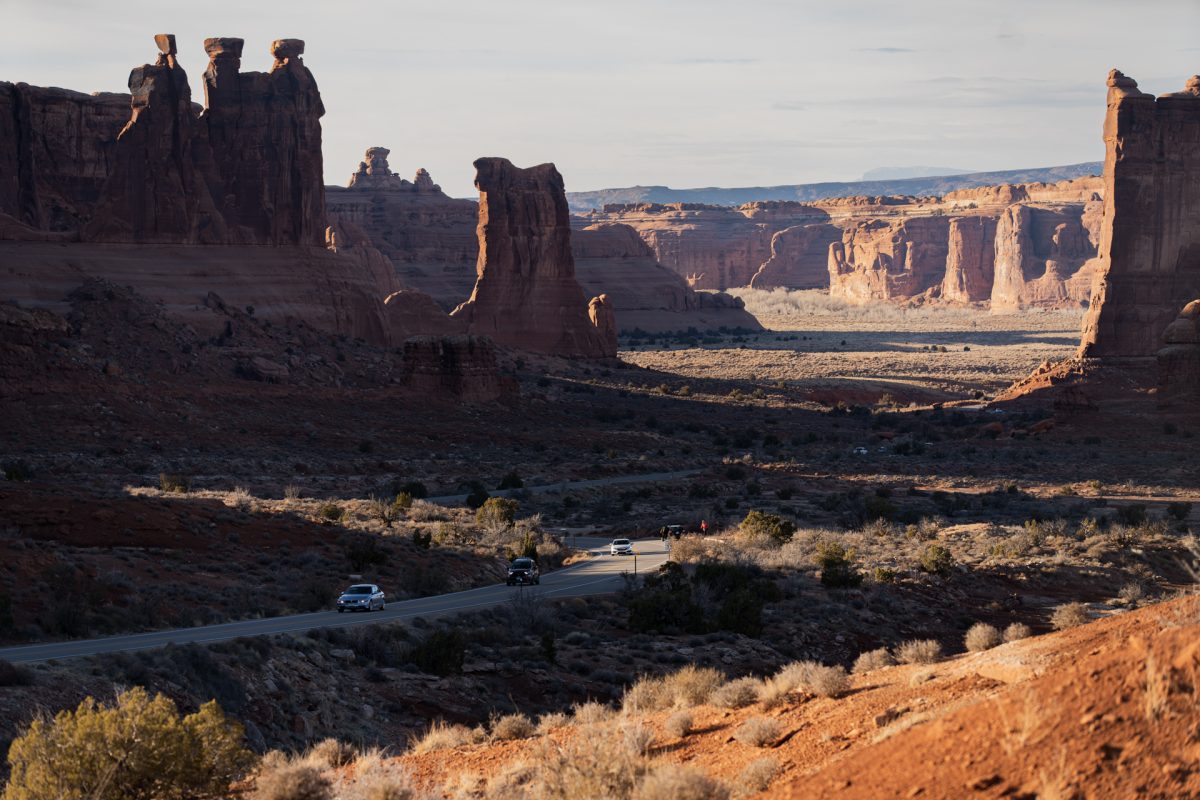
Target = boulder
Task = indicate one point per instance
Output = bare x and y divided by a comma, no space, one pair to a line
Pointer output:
1178,360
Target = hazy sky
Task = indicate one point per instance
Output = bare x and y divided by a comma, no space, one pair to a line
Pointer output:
679,92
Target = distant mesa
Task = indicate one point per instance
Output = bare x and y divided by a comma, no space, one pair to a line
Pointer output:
902,173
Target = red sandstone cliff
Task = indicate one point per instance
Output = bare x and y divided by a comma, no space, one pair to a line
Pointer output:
970,259
1149,258
882,260
526,295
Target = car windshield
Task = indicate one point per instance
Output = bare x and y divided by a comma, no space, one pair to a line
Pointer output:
522,563
359,590
620,541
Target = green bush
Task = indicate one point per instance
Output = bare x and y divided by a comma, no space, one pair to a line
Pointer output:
837,565
1179,511
414,489
330,511
1132,514
772,526
140,748
496,513
936,560
476,494
511,480
362,550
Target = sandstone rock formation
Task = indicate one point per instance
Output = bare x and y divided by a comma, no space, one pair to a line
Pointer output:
1038,251
881,260
1179,359
798,258
1149,258
56,153
462,367
526,295
601,315
970,259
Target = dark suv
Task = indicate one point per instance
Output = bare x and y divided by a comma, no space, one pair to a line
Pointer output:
523,571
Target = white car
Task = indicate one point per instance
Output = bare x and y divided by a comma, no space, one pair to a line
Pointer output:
620,547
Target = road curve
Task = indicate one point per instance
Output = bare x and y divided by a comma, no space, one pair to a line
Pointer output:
600,574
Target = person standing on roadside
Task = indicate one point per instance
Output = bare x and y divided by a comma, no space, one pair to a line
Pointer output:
703,527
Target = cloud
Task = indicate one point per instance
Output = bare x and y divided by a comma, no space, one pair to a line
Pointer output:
718,61
788,106
889,50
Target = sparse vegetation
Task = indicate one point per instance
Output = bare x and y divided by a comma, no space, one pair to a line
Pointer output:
1017,631
873,660
1069,615
981,636
758,732
919,651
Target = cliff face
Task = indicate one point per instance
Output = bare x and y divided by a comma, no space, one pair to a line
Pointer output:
970,259
1039,251
526,295
1149,258
881,260
798,258
56,153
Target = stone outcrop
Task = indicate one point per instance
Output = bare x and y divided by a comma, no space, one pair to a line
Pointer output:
526,295
1149,257
57,149
881,260
602,316
970,259
461,367
798,258
1038,252
1179,359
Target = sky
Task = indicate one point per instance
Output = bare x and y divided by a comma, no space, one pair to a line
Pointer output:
684,93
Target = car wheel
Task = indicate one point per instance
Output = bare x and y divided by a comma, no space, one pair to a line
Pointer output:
537,580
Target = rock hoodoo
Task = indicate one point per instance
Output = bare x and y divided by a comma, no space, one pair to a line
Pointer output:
1039,252
1149,258
526,295
970,259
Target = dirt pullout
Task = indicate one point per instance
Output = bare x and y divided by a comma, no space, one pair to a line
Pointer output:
1107,709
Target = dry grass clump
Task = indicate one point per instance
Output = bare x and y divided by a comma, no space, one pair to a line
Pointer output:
680,724
1016,631
511,726
592,713
758,732
442,736
807,677
379,781
827,681
737,693
552,721
595,765
330,753
1069,615
757,776
687,688
982,636
638,738
873,660
919,651
673,782
291,780
688,549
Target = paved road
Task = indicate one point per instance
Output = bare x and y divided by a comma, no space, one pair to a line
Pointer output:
598,575
566,486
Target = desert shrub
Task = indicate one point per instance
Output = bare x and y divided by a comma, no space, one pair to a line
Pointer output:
591,713
379,782
383,510
363,550
836,563
768,526
291,781
551,721
584,767
1131,514
638,738
441,736
673,782
496,514
1179,511
981,636
936,560
737,693
174,482
1069,615
511,480
1016,631
414,489
919,651
679,724
884,575
330,511
440,653
872,660
139,748
330,753
421,541
512,726
664,603
476,495
826,681
757,776
757,732
14,675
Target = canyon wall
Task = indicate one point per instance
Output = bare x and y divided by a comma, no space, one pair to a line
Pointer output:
868,248
1149,255
526,295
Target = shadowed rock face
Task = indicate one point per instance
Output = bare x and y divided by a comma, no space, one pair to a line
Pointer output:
1149,259
881,260
1039,250
461,367
1179,359
526,295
